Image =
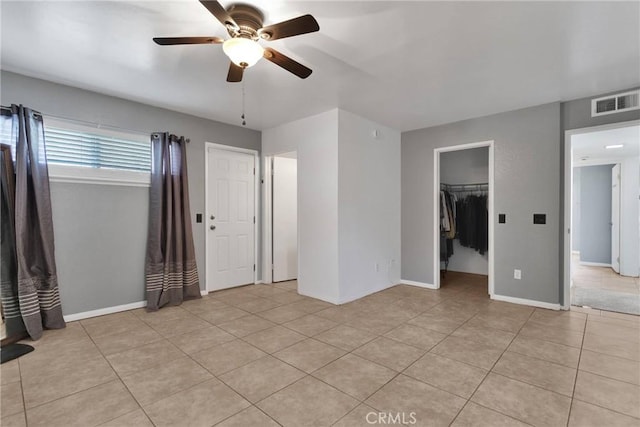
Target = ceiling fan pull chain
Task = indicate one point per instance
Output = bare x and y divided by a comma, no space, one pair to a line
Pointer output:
244,123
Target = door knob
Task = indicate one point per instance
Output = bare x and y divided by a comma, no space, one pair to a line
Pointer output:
213,217
213,227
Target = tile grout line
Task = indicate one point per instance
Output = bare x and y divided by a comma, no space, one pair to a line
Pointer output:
24,401
575,381
607,409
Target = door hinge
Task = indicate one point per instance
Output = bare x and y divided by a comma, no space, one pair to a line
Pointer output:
254,267
254,219
254,171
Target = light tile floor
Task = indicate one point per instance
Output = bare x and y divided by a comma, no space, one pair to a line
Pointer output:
263,355
601,278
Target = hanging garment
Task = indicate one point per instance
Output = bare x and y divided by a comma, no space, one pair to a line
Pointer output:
472,223
449,198
445,223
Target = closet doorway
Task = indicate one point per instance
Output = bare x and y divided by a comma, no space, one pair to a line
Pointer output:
463,200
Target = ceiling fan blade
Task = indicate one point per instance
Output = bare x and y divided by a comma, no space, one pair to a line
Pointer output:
287,63
235,73
219,12
168,41
293,27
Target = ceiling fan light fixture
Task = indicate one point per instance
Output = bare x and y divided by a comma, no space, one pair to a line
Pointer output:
242,51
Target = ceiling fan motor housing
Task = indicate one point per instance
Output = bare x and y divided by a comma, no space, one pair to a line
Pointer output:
248,18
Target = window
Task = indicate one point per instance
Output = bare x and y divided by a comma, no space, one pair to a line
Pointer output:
89,154
80,153
68,147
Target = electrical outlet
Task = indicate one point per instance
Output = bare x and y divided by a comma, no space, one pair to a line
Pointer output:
517,274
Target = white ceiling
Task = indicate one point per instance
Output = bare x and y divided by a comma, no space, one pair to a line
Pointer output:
590,147
406,65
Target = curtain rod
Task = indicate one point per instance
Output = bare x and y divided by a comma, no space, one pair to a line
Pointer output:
92,124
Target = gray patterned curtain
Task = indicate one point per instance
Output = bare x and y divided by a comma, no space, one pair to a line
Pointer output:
171,271
14,326
37,281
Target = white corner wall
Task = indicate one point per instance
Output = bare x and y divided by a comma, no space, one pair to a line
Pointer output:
348,203
368,206
316,141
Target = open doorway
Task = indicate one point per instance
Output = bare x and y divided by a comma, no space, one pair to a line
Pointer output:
284,192
463,213
602,254
280,237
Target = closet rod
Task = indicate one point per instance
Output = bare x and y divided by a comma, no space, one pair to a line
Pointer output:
475,186
92,124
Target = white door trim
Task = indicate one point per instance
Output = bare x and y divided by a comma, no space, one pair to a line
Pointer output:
256,180
568,188
436,209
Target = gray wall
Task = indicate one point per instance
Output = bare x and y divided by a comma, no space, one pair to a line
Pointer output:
575,211
89,242
595,214
466,167
527,172
100,237
576,114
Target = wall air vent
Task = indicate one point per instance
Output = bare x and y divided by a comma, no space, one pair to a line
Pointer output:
618,103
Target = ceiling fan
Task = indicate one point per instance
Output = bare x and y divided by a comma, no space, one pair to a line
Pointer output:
244,24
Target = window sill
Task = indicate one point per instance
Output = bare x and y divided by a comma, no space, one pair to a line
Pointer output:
100,176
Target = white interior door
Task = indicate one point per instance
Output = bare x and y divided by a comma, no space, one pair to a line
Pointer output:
615,218
285,219
230,218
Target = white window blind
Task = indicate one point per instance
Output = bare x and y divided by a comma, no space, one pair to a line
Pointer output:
66,146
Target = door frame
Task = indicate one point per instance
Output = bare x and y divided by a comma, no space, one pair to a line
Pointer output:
267,220
568,197
256,195
436,209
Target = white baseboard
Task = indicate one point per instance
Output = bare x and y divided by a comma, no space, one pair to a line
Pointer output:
523,301
595,264
420,284
104,311
111,310
259,282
